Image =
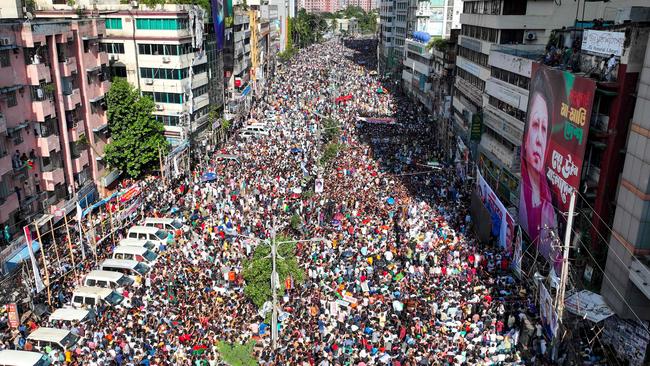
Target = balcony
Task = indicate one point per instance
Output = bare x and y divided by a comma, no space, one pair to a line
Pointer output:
68,66
43,109
510,128
80,161
38,72
46,144
71,100
52,178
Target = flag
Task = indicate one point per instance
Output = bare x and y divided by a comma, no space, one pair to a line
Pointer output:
78,216
37,275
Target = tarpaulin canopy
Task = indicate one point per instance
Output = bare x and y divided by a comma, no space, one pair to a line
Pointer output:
21,255
209,176
588,305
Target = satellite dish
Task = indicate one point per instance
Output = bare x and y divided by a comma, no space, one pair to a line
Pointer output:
29,15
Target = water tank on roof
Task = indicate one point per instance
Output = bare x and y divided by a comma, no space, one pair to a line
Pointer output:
421,36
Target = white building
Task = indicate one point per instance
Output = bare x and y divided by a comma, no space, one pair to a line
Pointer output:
398,21
159,51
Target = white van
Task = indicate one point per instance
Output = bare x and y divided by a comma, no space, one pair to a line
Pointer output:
86,296
10,357
152,234
60,339
108,279
257,128
130,268
72,315
167,224
140,254
139,243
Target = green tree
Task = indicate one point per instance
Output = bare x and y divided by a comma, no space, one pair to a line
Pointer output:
257,270
136,136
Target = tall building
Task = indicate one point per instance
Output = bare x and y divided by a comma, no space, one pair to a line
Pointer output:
160,51
626,287
398,21
53,79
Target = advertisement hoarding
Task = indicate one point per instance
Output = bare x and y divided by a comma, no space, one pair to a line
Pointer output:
552,152
218,21
503,226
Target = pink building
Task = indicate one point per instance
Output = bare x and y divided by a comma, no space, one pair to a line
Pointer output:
320,6
53,123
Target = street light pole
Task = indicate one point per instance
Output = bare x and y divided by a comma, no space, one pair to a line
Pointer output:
274,286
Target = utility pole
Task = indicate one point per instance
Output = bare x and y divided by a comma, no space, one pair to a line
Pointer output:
274,289
559,296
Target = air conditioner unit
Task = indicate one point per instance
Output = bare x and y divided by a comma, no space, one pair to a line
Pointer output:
531,36
166,60
148,81
115,57
159,107
134,4
4,41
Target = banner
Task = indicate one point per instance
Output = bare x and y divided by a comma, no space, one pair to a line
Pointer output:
503,225
12,314
218,21
318,185
517,254
37,275
552,152
547,312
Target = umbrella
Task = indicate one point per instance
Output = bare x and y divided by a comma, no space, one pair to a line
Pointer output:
390,201
296,150
338,217
209,176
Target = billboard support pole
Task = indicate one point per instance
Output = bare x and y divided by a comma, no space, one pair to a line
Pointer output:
559,298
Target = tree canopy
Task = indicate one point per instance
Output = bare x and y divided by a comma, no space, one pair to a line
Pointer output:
257,270
136,136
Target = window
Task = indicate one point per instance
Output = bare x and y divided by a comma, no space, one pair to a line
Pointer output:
168,120
486,34
476,57
511,77
198,69
160,97
11,99
113,47
475,81
507,108
113,23
4,59
168,74
200,90
161,24
512,36
164,49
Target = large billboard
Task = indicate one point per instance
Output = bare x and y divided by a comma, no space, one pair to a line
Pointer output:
218,21
503,226
552,152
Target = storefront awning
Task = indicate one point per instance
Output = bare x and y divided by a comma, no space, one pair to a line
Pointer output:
588,305
21,255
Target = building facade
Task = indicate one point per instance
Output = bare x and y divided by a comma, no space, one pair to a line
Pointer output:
52,117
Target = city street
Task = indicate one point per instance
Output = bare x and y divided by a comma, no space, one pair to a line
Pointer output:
393,274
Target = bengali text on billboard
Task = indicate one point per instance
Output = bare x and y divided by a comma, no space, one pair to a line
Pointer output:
552,152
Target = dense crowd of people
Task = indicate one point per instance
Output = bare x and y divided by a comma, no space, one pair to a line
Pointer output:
396,277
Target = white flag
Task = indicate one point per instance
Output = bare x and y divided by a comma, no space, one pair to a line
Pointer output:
37,275
78,216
